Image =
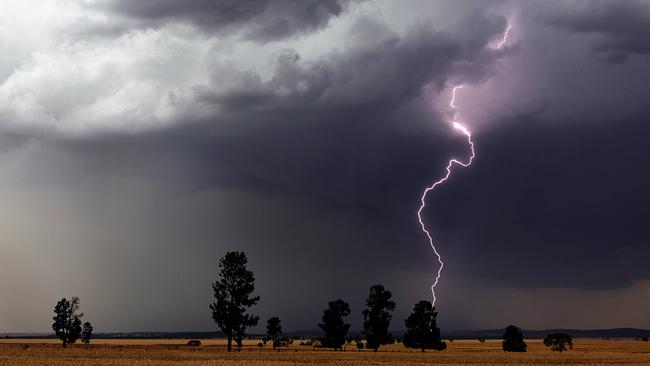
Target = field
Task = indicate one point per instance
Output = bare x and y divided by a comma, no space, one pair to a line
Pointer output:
173,352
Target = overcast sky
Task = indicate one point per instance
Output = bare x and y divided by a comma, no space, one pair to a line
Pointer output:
141,140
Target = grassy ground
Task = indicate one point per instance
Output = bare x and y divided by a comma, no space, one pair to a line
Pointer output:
173,352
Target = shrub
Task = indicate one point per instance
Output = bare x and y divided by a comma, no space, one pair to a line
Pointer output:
558,342
360,345
513,340
194,343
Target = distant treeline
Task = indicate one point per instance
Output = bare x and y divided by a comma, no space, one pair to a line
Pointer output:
233,292
613,333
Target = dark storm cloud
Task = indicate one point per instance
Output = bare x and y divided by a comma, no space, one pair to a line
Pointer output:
346,133
352,134
313,162
258,20
538,209
350,137
337,114
379,72
549,209
620,28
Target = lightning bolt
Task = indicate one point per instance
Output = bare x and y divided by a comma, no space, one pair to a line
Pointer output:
505,37
462,129
456,125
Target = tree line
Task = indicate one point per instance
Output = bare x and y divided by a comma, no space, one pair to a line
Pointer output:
233,293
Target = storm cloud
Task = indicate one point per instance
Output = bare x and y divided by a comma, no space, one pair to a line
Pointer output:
619,27
141,140
257,20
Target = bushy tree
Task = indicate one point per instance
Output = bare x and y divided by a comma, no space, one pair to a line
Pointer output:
86,333
558,342
377,317
233,293
67,320
334,324
422,331
274,330
513,340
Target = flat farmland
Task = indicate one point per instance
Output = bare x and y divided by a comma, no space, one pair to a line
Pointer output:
173,352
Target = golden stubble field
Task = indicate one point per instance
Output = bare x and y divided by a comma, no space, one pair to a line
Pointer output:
173,352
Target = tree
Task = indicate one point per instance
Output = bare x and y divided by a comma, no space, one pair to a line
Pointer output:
86,333
513,340
558,341
233,297
274,330
334,324
67,320
421,329
377,317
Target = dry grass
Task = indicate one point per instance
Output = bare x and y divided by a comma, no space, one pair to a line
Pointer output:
172,352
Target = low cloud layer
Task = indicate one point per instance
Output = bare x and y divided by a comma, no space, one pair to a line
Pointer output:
619,28
258,20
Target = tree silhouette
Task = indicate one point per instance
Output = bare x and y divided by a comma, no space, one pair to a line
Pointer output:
421,329
274,330
558,342
86,333
233,293
377,317
334,324
67,320
513,340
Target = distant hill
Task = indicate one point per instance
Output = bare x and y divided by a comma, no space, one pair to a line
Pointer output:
497,333
456,334
576,333
127,335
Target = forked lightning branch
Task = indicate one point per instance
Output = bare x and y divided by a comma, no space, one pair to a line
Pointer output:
457,125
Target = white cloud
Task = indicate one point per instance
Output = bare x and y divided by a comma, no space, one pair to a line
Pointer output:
63,76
